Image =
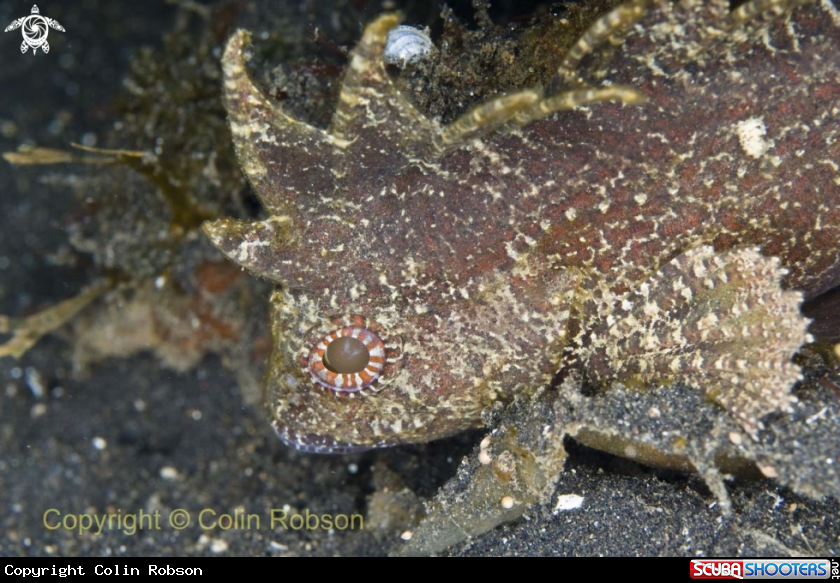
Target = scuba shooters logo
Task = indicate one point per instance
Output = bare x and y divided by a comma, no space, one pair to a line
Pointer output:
717,569
761,569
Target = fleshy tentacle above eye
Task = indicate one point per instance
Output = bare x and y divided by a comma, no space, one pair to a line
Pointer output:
372,113
284,158
566,90
254,245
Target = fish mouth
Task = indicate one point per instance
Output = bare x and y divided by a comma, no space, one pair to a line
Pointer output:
314,443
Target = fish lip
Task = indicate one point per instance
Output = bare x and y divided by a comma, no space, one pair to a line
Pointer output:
314,443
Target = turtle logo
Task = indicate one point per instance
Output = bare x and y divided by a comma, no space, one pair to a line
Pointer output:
35,29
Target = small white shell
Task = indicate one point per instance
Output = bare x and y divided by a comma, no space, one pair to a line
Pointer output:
407,44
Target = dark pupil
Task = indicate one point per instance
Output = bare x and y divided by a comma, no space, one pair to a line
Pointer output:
346,355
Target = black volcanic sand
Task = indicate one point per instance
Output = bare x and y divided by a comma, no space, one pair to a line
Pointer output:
129,436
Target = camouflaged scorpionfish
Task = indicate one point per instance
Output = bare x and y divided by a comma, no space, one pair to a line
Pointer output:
624,223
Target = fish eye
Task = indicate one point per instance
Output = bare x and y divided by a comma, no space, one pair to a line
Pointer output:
347,359
346,355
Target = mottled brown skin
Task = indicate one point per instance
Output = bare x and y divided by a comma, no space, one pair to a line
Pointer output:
488,264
